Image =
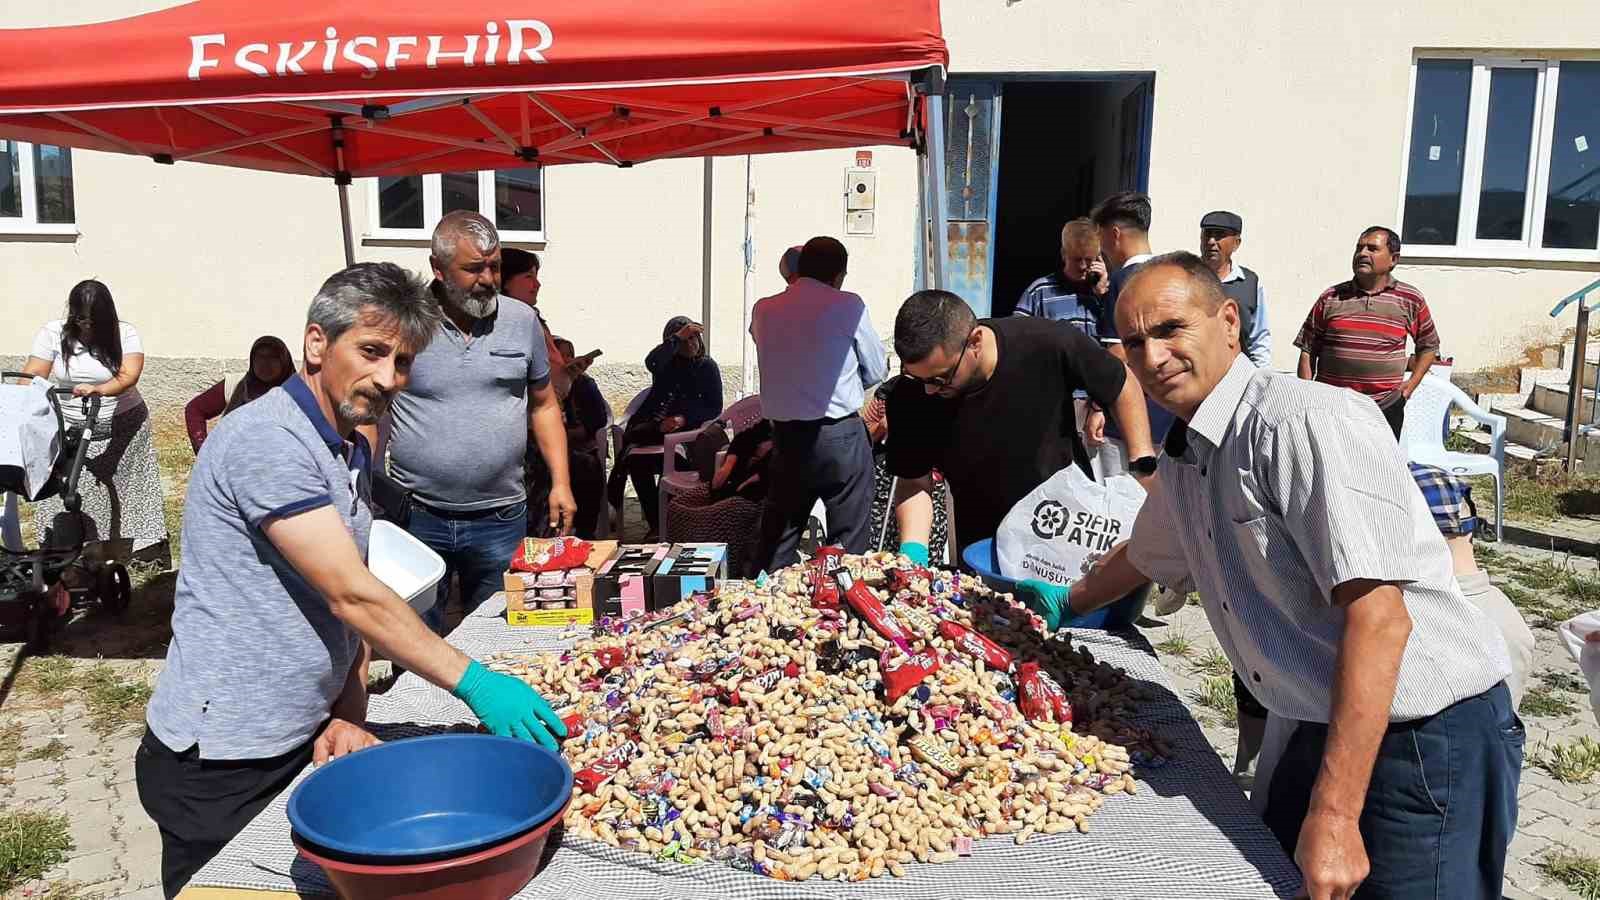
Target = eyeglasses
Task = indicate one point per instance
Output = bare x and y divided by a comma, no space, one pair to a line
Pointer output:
949,376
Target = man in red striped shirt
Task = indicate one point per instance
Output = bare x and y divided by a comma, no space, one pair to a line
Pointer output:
1355,335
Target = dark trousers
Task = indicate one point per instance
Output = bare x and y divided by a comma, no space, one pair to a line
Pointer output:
200,805
826,459
475,545
1395,414
1246,702
587,472
641,469
1442,805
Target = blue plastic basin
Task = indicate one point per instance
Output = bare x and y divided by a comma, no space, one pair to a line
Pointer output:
429,798
980,558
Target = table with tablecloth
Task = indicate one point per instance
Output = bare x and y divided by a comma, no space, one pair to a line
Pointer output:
1187,833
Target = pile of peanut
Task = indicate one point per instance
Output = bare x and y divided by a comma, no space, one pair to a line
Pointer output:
752,729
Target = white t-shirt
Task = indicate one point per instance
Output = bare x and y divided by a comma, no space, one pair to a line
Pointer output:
85,369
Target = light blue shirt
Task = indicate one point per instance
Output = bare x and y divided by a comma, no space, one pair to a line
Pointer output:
1259,346
817,351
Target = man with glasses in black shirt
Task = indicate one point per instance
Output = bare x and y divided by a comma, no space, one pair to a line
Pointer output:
989,403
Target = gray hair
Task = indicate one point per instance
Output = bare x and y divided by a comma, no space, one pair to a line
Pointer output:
460,224
381,291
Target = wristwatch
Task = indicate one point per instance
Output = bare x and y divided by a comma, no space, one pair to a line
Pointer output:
1144,465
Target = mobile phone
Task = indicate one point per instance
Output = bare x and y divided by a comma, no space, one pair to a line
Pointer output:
1094,277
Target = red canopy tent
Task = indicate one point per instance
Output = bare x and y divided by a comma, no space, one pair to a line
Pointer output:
354,89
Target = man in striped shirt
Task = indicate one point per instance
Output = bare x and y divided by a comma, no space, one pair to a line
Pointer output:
1355,335
1332,594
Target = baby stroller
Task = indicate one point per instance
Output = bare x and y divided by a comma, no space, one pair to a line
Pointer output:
33,588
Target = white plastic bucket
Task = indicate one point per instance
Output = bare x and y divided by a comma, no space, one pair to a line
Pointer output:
405,564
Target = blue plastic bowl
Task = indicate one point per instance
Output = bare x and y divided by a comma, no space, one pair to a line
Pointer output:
980,558
429,798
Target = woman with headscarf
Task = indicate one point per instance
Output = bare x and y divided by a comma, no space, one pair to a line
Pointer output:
270,366
97,354
685,393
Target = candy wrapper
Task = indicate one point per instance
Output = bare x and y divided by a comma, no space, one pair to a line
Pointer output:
1042,699
549,554
590,778
860,597
976,645
902,672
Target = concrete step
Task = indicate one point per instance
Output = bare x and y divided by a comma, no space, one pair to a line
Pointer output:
1551,400
1591,352
1529,376
1482,443
1532,428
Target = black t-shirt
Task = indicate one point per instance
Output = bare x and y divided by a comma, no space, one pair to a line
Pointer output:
1160,420
996,445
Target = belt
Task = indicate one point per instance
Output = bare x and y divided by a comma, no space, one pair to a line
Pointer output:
463,514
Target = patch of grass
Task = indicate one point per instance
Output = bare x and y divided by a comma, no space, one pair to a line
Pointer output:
1582,588
55,750
1178,644
46,675
1564,680
10,745
1459,442
1216,694
1519,596
1193,599
113,701
1541,494
1544,575
1577,871
31,843
1544,702
1215,664
1574,763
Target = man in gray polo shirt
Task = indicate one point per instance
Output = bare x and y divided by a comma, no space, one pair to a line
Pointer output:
275,605
461,427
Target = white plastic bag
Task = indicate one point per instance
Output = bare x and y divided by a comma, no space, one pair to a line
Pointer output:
30,437
1056,532
1586,653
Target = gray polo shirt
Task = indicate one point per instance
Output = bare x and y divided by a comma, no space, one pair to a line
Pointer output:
257,658
461,425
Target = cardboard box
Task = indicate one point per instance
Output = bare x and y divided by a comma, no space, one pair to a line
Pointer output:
522,582
582,615
621,586
688,568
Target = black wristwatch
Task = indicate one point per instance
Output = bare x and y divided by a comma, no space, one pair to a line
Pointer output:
1144,465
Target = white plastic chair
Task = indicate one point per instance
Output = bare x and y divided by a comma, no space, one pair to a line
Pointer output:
604,445
616,430
742,414
1426,424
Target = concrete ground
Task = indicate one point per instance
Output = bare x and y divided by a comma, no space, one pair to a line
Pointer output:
70,761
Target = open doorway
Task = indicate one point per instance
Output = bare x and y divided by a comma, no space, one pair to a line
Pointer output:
1020,156
1064,146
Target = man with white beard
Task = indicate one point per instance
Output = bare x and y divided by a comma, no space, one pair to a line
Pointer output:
461,427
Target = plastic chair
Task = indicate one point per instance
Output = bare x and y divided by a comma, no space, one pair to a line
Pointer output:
741,415
1427,423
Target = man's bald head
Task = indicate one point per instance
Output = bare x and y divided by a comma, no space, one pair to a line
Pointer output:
1180,331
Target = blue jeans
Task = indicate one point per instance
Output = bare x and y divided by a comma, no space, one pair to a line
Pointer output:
1441,807
476,546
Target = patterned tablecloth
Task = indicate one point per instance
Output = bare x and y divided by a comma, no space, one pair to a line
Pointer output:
1188,833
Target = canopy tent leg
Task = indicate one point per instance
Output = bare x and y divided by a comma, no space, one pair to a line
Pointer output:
705,254
341,178
344,221
747,383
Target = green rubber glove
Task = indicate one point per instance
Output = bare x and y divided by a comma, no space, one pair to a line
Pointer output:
916,551
1048,600
508,707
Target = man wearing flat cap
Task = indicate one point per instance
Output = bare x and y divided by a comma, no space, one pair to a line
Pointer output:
1221,232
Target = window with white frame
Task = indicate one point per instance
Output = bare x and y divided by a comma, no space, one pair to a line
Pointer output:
35,188
1503,159
408,207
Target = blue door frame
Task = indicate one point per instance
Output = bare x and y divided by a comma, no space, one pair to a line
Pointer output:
961,174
